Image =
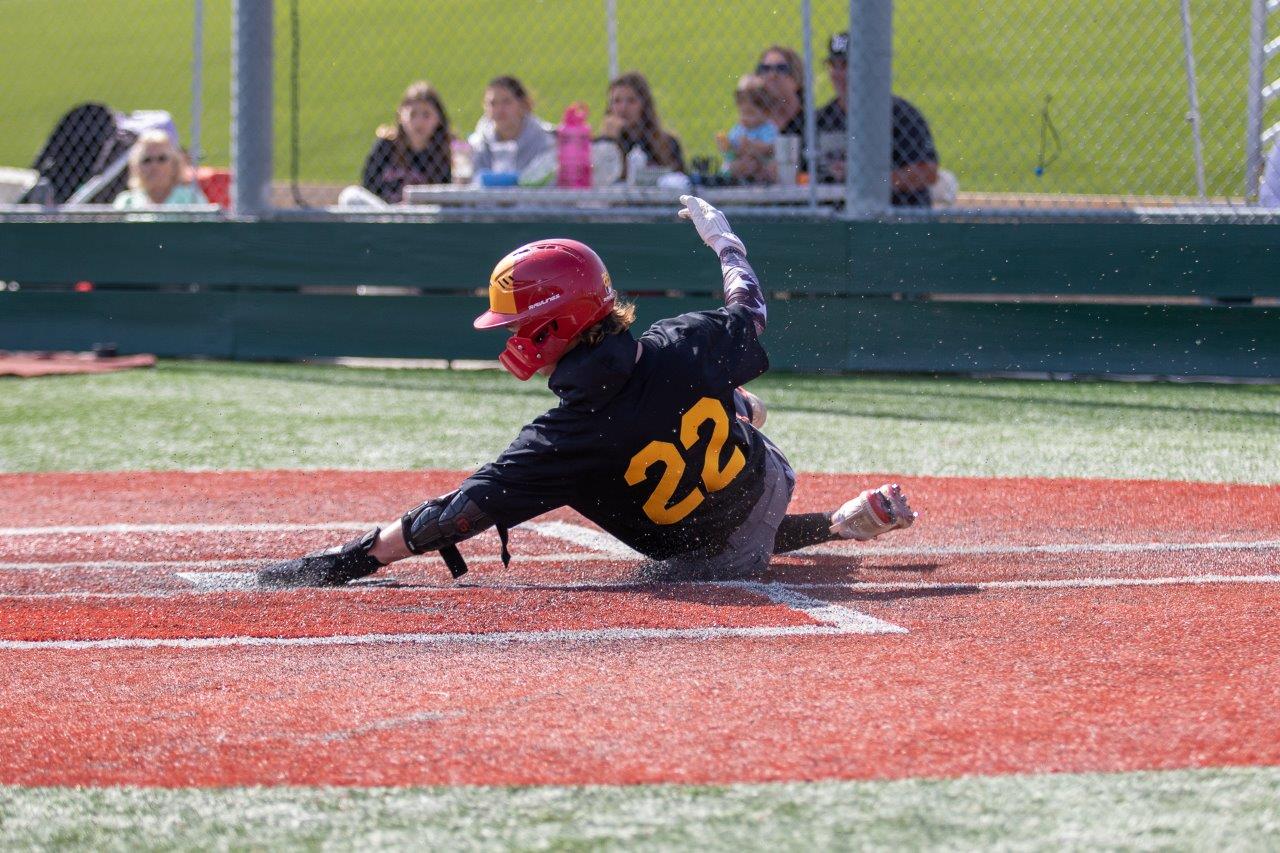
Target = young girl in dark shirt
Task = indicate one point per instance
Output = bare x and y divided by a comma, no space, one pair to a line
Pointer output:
415,150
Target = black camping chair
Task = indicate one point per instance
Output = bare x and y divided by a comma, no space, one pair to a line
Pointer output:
86,141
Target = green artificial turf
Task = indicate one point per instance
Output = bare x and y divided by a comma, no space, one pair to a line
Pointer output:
210,415
220,415
1192,810
979,71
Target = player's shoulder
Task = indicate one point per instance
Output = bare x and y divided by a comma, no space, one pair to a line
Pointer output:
682,326
700,333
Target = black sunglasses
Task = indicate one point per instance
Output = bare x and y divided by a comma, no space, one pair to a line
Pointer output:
779,68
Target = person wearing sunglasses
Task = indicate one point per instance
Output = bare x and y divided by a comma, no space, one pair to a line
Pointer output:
782,70
915,158
158,175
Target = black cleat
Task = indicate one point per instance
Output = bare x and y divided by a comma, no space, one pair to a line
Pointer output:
330,567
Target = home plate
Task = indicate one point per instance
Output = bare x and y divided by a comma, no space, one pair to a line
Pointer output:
226,581
218,581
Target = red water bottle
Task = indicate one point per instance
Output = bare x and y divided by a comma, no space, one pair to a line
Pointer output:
573,148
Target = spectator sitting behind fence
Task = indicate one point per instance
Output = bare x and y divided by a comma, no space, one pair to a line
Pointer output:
158,174
748,146
915,159
631,120
1269,189
508,118
415,150
782,71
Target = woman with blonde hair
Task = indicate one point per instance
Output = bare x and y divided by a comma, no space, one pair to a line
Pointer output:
158,174
414,150
631,120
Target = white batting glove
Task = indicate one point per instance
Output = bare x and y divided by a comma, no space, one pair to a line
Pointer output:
712,227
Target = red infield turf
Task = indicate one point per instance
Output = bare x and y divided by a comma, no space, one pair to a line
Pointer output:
1022,626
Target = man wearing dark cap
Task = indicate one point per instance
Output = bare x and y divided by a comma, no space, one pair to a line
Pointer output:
915,159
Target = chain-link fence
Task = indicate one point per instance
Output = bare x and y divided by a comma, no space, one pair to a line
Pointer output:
680,67
1101,102
1095,104
82,81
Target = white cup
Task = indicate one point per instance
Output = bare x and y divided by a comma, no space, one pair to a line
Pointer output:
786,156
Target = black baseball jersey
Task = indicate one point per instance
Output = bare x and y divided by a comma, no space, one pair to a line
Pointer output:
651,449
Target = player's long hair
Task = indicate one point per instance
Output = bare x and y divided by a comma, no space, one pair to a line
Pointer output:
438,151
618,321
660,142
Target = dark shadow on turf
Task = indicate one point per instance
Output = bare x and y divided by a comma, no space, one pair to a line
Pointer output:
829,569
853,595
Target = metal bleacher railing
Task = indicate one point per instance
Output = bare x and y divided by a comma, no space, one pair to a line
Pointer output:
1024,109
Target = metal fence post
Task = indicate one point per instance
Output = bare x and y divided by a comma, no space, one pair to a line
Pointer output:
810,113
870,99
251,97
1193,98
1255,101
611,28
197,83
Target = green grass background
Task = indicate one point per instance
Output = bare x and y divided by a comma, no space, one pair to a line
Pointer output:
209,415
980,72
1231,809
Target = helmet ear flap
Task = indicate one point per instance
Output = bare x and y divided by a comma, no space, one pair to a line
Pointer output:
540,336
530,350
550,292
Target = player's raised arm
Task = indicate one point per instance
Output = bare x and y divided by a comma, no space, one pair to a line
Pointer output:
741,287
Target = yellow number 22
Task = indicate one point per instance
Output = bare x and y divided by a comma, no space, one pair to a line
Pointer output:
659,507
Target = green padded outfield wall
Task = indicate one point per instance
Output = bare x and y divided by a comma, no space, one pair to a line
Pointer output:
1090,298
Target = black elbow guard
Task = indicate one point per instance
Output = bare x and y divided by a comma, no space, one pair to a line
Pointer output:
442,522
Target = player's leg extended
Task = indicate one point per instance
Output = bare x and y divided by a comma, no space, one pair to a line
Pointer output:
867,516
801,530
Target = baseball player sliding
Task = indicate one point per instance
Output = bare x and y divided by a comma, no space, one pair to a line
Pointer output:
653,439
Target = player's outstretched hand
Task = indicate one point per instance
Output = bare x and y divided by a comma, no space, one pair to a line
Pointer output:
712,227
331,567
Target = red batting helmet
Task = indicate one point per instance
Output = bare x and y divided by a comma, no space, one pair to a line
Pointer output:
551,291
